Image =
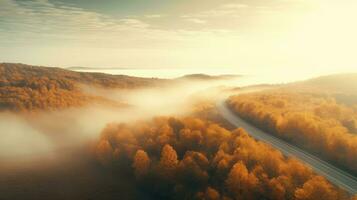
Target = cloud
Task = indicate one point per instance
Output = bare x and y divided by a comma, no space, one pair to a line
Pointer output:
41,16
41,32
221,11
196,20
40,22
235,6
153,16
135,23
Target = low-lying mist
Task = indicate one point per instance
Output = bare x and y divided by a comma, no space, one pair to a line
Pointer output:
20,140
40,151
44,149
50,134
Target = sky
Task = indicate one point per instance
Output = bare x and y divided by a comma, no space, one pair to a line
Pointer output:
251,36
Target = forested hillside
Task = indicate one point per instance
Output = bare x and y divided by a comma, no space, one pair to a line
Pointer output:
27,88
342,87
308,114
342,83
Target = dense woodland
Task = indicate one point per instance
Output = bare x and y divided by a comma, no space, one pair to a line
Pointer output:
24,87
312,121
191,158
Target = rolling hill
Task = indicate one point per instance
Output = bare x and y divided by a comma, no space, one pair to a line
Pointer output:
27,88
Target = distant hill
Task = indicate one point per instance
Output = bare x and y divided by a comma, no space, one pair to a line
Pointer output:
343,87
23,72
94,68
205,77
338,83
26,88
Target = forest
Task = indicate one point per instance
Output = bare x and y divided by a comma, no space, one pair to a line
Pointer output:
192,158
31,88
102,153
314,121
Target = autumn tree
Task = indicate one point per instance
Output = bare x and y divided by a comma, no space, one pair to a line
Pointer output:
211,162
241,183
141,164
168,161
316,188
104,152
209,194
307,119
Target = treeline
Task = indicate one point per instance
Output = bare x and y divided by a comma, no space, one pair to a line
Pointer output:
15,73
314,122
191,158
24,87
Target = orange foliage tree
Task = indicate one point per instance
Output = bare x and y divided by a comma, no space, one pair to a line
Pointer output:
31,88
316,123
191,158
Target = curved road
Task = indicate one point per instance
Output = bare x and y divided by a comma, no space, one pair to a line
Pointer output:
333,174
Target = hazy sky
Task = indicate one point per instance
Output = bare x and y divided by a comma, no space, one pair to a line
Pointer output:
247,35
